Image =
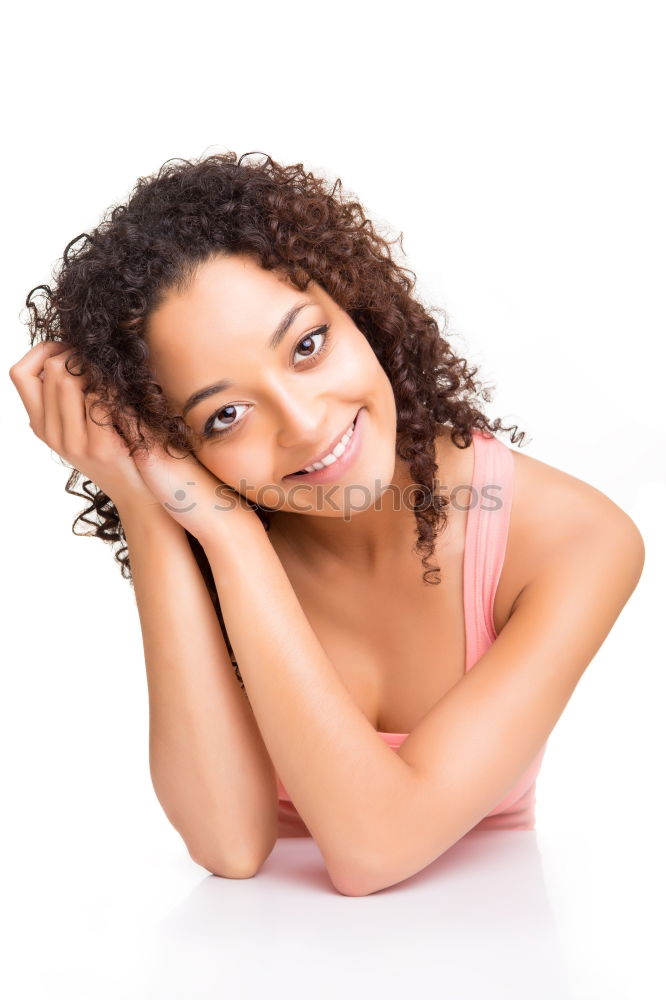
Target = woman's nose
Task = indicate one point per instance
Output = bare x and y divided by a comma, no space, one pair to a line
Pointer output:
300,422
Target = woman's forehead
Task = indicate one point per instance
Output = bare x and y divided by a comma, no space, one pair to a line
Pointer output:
232,311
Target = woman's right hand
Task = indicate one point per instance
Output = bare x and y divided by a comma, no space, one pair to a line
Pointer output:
60,417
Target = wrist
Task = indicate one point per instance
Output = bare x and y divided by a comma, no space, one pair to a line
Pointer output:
144,516
232,528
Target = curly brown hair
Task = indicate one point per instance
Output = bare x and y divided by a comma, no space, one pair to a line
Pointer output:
287,220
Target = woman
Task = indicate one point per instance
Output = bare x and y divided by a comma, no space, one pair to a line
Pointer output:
289,440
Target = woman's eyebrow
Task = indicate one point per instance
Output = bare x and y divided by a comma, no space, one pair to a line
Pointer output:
275,340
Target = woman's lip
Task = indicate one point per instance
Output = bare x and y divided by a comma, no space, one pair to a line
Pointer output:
333,445
330,472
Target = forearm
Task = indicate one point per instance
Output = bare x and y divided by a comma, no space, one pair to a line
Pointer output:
208,763
343,779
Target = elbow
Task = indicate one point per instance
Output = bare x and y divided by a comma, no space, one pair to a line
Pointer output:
353,889
225,870
351,877
227,865
378,869
362,870
357,883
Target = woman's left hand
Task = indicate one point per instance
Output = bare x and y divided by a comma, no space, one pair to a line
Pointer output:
191,494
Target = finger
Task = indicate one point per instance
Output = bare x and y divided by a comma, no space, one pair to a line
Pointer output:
25,375
72,405
34,358
102,435
54,371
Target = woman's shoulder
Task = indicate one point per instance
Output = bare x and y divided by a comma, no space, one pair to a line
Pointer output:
553,497
551,507
546,499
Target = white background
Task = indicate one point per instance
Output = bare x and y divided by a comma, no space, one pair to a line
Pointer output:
519,147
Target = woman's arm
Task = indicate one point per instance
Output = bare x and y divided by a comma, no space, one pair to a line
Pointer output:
209,765
342,777
210,768
378,816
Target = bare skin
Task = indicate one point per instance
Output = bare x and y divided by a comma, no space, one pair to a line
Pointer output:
399,644
345,572
572,560
286,405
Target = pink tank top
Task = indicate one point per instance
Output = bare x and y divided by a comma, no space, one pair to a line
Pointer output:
486,534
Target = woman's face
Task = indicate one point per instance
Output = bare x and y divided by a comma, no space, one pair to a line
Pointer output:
270,378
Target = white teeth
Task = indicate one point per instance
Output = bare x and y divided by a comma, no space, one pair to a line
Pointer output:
334,455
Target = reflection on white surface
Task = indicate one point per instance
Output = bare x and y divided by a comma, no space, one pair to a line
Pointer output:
506,914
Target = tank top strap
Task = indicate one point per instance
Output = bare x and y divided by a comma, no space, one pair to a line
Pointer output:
486,535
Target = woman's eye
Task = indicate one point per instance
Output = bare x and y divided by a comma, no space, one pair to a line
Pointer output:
227,414
322,331
223,415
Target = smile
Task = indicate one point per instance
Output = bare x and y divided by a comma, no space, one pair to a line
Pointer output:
338,459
